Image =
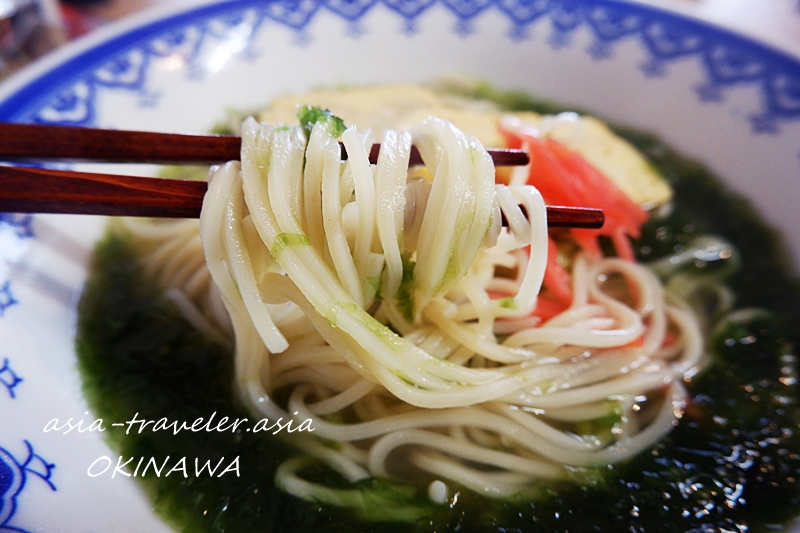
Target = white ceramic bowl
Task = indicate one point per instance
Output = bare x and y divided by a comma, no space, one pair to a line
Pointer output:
715,96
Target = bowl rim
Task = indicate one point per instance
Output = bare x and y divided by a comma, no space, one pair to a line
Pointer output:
42,79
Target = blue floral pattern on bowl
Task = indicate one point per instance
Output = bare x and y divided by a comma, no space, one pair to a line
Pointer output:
8,378
14,475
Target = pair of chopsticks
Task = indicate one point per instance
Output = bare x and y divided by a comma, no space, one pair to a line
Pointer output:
42,190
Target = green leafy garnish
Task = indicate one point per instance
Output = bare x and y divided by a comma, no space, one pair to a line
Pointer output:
310,115
508,303
405,293
288,239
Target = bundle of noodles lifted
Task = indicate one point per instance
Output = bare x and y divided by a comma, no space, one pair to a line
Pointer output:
425,341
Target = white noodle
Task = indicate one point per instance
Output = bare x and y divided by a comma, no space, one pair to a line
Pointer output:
311,258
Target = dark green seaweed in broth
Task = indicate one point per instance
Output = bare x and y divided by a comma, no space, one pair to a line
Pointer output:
731,463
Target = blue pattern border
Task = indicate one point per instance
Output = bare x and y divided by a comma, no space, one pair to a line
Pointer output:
13,477
67,93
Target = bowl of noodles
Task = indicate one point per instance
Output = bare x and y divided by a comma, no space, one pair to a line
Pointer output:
397,345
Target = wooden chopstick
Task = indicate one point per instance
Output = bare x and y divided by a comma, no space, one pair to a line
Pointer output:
37,190
34,142
42,190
